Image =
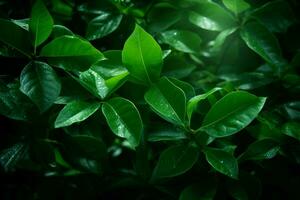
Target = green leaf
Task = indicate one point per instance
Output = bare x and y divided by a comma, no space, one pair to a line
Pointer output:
19,40
124,119
263,42
197,191
102,26
14,104
292,129
175,161
165,133
162,15
232,113
40,83
210,16
260,150
176,66
71,53
182,40
60,30
142,56
106,76
277,16
10,157
74,112
193,102
168,101
40,24
222,161
187,88
236,6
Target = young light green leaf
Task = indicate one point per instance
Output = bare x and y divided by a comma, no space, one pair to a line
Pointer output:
19,40
232,113
102,26
40,83
222,161
236,6
142,56
277,16
175,160
123,119
71,53
193,102
263,42
168,101
211,16
182,40
260,150
40,24
74,112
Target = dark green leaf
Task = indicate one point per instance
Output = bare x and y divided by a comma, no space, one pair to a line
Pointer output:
74,112
142,56
124,119
277,16
102,25
182,40
260,150
292,129
19,40
222,161
10,157
168,101
175,160
40,24
232,113
71,53
205,191
264,43
41,84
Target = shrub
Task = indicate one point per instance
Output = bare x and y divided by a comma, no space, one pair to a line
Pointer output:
158,99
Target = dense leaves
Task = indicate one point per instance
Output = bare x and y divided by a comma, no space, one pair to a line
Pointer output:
158,99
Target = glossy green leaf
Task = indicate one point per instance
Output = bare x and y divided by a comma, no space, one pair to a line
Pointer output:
193,102
165,133
102,84
182,40
168,101
123,119
142,56
210,16
260,150
232,113
292,129
277,16
19,40
263,42
74,112
102,26
175,161
71,53
40,83
60,30
236,6
222,162
40,24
